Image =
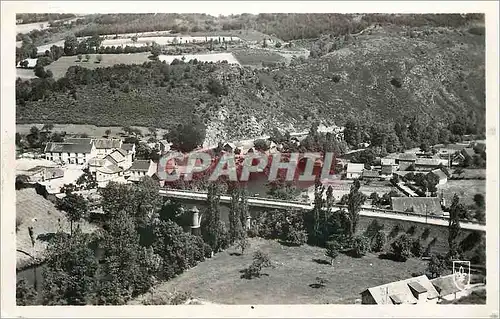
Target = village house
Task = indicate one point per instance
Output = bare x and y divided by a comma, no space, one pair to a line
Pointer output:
428,164
387,171
354,171
71,151
141,168
109,172
164,146
229,147
130,149
418,205
42,173
447,287
104,146
416,290
370,174
404,160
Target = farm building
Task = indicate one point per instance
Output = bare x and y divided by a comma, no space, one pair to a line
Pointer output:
387,171
70,151
354,171
404,160
104,146
130,149
417,205
369,174
141,168
428,164
416,290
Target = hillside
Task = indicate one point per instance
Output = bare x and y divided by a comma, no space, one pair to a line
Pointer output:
382,75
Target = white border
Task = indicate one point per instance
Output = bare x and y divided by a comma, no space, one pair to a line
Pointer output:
224,7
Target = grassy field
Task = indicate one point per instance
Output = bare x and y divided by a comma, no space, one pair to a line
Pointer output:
255,57
465,189
60,66
295,269
33,210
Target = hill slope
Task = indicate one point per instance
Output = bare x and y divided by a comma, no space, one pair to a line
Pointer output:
381,76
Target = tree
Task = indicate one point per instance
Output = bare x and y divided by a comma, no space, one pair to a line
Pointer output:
261,145
187,137
355,200
332,250
155,49
212,229
456,210
216,88
436,267
25,294
75,206
70,272
98,58
401,247
79,57
129,269
235,224
87,57
479,200
379,241
360,246
107,132
134,39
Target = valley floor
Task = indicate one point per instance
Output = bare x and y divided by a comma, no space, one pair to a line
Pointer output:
295,268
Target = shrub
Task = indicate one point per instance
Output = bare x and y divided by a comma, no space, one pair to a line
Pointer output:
401,247
332,250
436,266
417,249
260,260
360,246
379,241
296,237
243,244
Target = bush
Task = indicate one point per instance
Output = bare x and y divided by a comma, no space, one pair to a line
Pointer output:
296,237
332,250
436,266
360,246
417,249
379,241
401,247
260,260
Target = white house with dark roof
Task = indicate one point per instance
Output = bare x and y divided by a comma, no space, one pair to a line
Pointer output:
71,151
104,146
354,171
141,168
416,290
130,149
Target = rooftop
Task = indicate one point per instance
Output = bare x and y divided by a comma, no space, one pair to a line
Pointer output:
428,161
67,148
106,143
128,147
369,173
399,292
355,168
140,165
417,205
445,285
